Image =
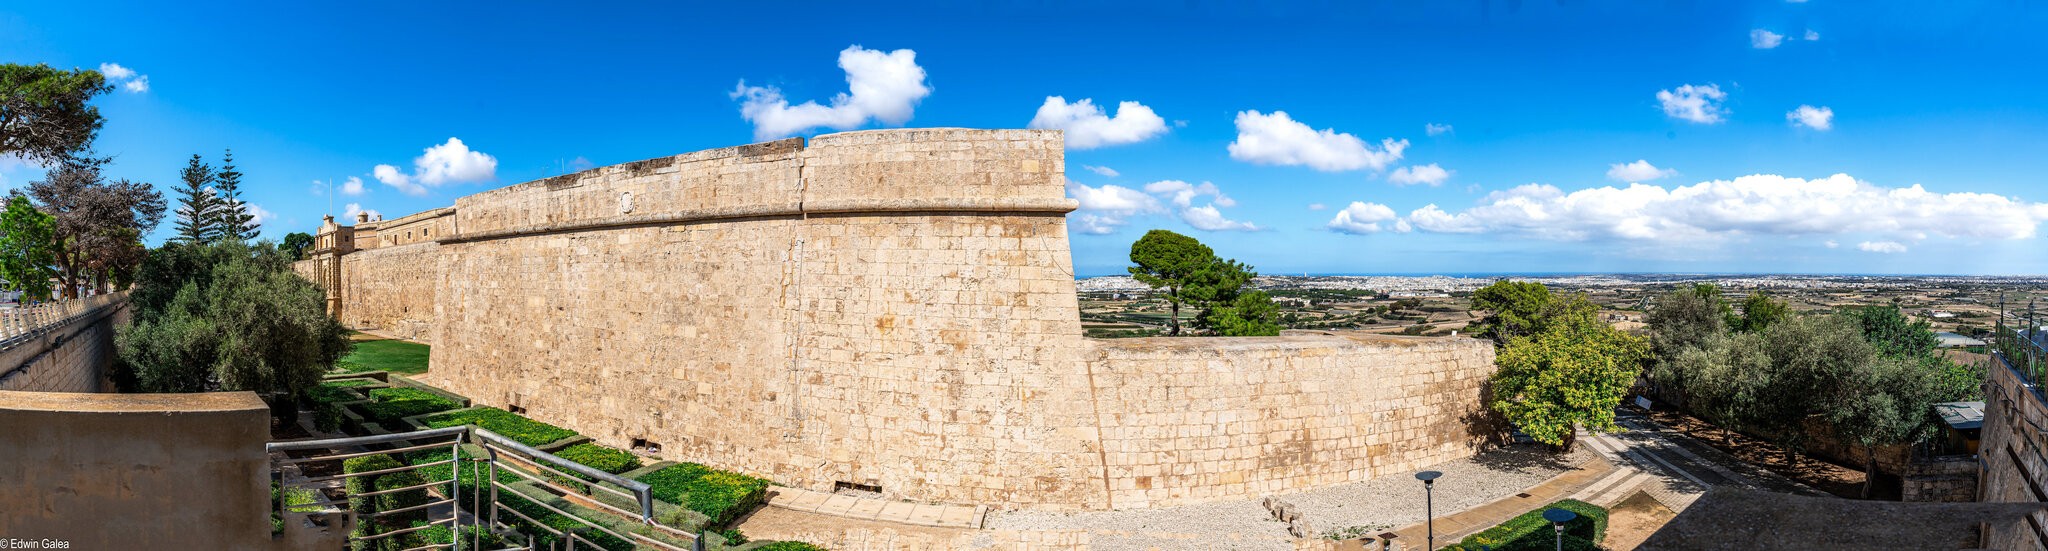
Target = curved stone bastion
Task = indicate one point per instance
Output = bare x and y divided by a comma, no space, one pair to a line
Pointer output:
891,309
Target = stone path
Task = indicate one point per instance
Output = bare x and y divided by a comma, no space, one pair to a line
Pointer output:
904,512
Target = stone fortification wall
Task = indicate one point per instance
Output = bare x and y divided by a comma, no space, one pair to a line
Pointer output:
393,290
887,308
135,471
71,354
2015,465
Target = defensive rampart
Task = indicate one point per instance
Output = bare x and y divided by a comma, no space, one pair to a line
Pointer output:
61,346
883,308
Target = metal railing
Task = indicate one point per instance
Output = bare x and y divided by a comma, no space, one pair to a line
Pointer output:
525,462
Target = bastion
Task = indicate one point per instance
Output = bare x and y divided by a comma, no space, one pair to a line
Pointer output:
889,309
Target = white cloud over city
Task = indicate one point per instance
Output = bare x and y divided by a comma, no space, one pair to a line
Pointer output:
1109,207
1277,139
881,86
1366,218
1087,127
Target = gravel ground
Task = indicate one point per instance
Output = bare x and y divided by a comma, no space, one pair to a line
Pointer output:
1385,502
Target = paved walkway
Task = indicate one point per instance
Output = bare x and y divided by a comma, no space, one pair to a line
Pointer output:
921,514
1453,527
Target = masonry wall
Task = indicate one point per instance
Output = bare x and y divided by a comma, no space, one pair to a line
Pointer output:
135,471
73,356
2015,467
891,308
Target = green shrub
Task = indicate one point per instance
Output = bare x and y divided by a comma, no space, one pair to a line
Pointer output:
392,405
607,459
720,495
352,383
473,537
400,500
733,536
525,431
1529,531
356,486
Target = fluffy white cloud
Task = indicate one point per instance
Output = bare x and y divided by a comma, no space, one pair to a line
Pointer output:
1363,218
1207,218
1088,128
1277,139
1317,206
881,86
1882,247
1760,204
1817,118
348,214
1639,171
1109,207
1435,129
449,162
259,215
1700,104
126,77
1106,172
1765,40
352,186
1183,194
1421,174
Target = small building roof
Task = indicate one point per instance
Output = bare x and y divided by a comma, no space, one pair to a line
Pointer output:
1955,339
1961,415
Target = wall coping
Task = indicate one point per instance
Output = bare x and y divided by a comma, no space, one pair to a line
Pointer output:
79,402
1301,340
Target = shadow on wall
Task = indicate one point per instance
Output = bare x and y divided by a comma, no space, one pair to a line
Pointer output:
1728,518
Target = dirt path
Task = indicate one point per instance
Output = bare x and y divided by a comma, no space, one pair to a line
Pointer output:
1633,520
1822,475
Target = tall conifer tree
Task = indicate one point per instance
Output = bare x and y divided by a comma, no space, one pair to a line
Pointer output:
198,214
235,220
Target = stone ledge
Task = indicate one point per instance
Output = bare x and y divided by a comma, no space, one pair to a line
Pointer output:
903,512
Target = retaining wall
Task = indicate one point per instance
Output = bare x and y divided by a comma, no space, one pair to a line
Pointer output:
71,355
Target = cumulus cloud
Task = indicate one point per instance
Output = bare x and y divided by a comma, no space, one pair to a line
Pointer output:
881,86
1817,118
127,78
1277,139
1696,103
450,162
1106,172
352,186
1183,194
1764,40
1420,174
1435,129
1363,218
1207,218
259,215
1106,208
1882,247
348,213
1088,128
1760,204
1639,171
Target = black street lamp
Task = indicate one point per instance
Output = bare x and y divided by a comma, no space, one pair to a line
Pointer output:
1557,518
1428,479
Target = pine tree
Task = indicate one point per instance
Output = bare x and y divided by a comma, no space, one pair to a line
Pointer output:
235,220
198,206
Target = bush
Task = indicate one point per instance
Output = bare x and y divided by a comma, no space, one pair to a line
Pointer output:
325,401
733,536
400,500
356,486
720,495
1530,532
525,431
392,405
607,459
226,316
473,537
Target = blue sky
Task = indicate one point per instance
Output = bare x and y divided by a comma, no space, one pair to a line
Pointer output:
1541,99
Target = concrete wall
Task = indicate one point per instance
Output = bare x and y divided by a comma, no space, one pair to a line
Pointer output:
73,356
893,308
135,471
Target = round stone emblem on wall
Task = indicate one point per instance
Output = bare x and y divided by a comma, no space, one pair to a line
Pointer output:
626,202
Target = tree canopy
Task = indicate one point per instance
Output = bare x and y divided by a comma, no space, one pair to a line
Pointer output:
198,214
26,235
1571,374
1192,274
227,316
295,244
44,115
232,220
99,224
1513,309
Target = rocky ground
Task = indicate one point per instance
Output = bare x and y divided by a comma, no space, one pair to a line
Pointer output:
1370,506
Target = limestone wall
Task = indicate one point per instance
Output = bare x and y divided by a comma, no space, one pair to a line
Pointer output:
70,356
2015,465
888,308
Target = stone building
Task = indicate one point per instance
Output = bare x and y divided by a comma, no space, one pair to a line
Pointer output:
892,309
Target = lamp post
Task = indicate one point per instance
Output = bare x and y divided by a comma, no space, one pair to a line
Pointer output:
1428,479
1557,518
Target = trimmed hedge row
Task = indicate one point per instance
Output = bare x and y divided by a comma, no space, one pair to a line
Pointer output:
325,400
719,495
525,431
390,406
603,458
1529,532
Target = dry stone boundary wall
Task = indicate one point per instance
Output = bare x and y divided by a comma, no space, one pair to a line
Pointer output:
888,308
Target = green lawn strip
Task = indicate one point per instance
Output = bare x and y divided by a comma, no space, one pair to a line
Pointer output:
390,406
391,355
1530,532
510,425
721,496
408,382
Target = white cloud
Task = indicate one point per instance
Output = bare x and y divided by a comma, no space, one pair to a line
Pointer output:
1764,40
1882,247
881,86
1088,128
348,214
259,215
1207,218
1421,174
1812,35
1760,204
1363,218
1639,171
1183,194
1435,129
1106,172
1277,139
127,78
450,162
352,186
1700,104
1317,206
1817,118
1095,224
1832,244
1104,209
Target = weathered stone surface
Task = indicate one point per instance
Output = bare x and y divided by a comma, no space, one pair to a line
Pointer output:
889,308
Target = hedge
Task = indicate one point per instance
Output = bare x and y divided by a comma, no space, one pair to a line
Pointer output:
475,537
720,495
391,405
325,400
1530,532
525,431
358,485
603,458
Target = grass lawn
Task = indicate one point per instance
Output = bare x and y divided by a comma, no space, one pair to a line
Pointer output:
391,355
